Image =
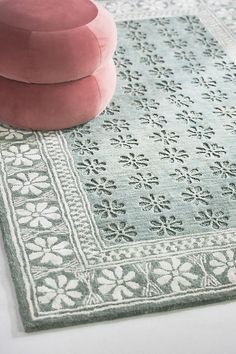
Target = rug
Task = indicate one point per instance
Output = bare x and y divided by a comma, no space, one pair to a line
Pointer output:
134,212
225,10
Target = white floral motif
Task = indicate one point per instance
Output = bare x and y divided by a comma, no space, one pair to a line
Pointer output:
117,283
21,155
31,183
175,273
10,134
225,262
59,292
49,250
38,215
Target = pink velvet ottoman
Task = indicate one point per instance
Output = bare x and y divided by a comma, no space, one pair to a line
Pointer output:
56,63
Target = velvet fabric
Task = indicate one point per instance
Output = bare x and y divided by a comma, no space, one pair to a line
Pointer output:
53,41
56,106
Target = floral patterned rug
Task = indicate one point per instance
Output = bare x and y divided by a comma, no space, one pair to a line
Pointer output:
134,212
225,10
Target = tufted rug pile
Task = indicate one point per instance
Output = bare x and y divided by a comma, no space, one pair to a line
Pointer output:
134,212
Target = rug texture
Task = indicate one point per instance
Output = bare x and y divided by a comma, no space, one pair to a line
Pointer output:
134,212
225,10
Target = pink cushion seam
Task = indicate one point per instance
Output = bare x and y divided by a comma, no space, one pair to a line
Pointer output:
97,44
30,58
99,91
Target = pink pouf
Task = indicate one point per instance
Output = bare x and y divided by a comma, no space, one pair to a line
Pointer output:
56,62
56,106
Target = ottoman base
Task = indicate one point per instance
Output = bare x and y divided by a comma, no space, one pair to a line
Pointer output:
56,106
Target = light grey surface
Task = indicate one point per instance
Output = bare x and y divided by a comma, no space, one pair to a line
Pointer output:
201,330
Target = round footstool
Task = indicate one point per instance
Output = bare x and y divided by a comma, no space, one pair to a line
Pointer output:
56,106
51,41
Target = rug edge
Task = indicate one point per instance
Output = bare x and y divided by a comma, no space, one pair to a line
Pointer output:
133,311
15,271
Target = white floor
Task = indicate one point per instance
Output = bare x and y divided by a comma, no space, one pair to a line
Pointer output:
202,330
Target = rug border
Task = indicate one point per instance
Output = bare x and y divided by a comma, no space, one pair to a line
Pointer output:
187,301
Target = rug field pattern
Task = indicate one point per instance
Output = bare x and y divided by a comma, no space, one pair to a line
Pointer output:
135,211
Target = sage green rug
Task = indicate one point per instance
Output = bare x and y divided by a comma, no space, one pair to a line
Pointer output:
134,212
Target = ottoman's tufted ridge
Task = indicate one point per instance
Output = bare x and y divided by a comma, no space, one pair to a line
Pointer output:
56,106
